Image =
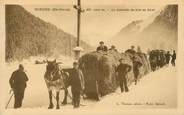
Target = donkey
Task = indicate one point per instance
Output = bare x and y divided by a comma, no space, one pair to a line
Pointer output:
56,79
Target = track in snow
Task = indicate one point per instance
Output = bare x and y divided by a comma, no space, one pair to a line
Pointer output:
157,87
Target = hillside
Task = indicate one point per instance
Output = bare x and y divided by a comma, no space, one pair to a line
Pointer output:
159,33
27,35
162,33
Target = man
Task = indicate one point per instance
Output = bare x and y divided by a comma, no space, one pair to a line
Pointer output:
102,47
18,84
113,48
139,49
173,58
132,50
136,66
77,84
158,58
122,71
167,55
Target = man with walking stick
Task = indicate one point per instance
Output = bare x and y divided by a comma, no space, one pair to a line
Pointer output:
9,99
18,84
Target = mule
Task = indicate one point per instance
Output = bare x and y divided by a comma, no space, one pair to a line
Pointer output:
56,79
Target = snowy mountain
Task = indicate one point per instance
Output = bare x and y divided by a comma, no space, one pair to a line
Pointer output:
159,31
27,35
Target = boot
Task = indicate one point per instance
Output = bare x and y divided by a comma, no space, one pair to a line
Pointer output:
51,106
57,107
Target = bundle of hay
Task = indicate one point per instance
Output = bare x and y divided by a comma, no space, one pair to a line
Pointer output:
146,68
142,58
99,71
89,65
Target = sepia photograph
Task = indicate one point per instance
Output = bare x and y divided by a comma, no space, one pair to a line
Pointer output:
89,57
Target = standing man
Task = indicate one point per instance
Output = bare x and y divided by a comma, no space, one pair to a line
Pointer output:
18,84
139,49
136,66
102,47
173,58
122,71
132,50
77,84
168,56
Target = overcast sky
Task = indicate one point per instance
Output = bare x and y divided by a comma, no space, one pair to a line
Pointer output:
95,25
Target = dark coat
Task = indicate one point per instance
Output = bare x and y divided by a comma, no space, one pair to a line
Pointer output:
104,48
123,69
174,56
168,56
76,80
136,66
18,80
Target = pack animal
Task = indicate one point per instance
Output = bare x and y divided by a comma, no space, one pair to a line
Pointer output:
56,80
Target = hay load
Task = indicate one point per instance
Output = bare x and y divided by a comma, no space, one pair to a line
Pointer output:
99,71
89,65
142,58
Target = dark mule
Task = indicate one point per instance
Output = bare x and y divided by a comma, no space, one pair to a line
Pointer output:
56,80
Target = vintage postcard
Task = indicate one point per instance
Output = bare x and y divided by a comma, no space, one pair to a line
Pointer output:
82,56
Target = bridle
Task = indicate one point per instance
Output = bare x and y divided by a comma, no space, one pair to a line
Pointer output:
52,73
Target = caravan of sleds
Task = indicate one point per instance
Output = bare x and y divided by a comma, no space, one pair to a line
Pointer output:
99,71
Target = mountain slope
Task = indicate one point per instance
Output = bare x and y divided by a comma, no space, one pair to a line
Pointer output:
157,32
162,33
27,35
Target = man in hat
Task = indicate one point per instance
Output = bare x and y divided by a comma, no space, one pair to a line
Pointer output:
77,84
18,84
168,57
132,50
122,71
102,47
173,58
139,49
113,48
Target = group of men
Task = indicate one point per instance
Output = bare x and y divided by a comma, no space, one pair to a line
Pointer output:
103,47
19,78
170,57
123,69
161,58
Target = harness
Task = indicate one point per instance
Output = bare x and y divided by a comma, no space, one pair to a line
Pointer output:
56,79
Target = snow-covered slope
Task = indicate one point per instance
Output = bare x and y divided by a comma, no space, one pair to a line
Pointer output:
158,31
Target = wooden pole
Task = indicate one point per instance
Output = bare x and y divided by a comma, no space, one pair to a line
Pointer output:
78,22
78,49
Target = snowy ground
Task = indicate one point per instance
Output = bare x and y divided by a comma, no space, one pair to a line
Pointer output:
156,90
